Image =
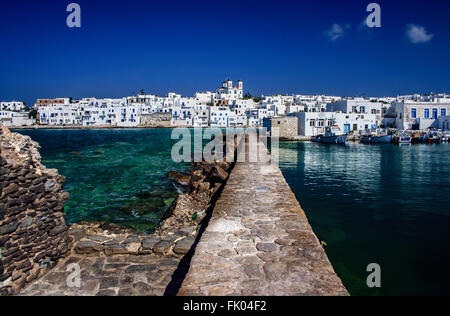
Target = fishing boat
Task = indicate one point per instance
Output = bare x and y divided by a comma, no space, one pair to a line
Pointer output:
332,135
432,138
445,137
402,138
380,138
416,138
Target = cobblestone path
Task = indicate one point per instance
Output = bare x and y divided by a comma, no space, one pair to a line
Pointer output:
259,242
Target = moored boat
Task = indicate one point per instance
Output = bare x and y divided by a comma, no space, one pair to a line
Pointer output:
432,138
381,136
375,139
331,136
402,138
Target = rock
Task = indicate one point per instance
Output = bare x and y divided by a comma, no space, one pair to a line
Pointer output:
218,174
58,230
26,222
99,238
48,185
115,249
189,230
9,228
266,247
184,245
11,189
162,247
179,177
34,273
106,293
88,247
109,283
40,188
133,247
23,265
149,243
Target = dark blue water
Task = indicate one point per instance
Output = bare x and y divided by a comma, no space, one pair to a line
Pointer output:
116,176
380,204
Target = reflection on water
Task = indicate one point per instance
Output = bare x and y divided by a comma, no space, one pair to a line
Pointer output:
384,204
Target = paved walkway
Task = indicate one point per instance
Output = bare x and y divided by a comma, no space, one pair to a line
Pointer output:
259,242
107,276
118,264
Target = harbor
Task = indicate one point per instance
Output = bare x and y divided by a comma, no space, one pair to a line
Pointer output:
366,203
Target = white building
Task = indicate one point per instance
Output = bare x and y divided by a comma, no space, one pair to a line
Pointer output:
358,105
12,106
219,116
15,119
230,92
419,115
314,123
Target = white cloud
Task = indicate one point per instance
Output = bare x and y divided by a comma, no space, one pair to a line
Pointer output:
336,31
418,34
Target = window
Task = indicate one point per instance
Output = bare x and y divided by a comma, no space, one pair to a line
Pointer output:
443,112
414,113
312,123
426,113
435,114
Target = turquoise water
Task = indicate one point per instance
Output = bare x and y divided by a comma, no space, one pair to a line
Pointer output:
380,204
116,176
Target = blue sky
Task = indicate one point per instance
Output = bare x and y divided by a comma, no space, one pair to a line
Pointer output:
193,45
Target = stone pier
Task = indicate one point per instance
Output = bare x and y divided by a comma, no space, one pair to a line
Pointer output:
259,242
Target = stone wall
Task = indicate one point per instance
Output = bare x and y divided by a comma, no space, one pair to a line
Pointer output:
115,261
33,233
287,125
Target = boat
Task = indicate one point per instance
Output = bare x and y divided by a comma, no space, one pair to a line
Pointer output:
380,138
432,138
445,137
402,137
332,136
416,139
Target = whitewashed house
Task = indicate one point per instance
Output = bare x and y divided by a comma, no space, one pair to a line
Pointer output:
419,115
314,123
16,106
219,116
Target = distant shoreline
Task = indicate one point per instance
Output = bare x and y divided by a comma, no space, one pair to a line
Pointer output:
45,127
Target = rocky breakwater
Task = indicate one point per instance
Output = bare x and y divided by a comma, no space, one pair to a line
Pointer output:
178,227
33,233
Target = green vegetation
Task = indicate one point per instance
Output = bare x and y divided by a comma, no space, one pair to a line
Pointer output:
247,96
32,113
